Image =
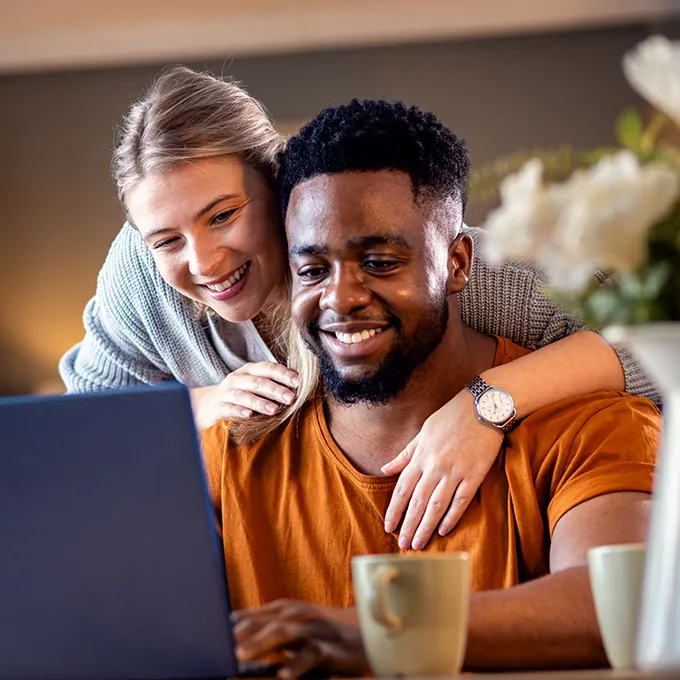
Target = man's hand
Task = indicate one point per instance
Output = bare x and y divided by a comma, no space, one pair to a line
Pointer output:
309,636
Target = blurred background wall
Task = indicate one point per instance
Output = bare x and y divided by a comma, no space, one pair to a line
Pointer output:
64,84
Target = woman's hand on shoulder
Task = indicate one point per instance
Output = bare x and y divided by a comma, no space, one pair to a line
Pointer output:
440,472
254,388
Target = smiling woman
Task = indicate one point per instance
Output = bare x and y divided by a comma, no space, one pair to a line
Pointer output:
196,288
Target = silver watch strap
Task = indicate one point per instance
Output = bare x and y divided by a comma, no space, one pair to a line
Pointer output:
478,386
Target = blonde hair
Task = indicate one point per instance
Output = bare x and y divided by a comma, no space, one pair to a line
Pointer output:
288,341
186,116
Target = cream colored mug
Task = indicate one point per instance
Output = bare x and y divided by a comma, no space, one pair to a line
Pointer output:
616,580
413,611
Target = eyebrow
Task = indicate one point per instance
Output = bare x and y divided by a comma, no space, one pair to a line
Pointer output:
205,209
357,243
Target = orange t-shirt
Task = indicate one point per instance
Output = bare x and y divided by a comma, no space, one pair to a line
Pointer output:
293,510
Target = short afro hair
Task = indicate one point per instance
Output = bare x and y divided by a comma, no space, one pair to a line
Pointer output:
371,135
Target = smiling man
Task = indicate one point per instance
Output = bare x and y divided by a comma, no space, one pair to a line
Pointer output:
373,197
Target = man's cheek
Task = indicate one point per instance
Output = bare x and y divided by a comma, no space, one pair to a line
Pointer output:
304,308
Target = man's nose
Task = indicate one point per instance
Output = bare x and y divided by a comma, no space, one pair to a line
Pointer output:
346,291
205,257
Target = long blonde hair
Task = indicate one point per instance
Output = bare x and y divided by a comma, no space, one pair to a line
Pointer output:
187,116
289,342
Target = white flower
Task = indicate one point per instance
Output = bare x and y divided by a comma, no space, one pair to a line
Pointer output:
653,71
598,219
610,209
523,218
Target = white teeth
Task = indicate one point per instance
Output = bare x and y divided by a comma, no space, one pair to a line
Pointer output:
225,285
354,338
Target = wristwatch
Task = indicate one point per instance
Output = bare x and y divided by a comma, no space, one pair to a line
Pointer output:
494,406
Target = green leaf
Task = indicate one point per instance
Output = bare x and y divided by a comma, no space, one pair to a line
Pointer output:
655,280
630,130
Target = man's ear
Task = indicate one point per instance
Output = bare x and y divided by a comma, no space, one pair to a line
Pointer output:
459,263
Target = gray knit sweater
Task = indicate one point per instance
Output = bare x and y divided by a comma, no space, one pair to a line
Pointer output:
140,330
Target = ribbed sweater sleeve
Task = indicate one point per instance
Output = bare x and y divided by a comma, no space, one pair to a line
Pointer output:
138,329
509,300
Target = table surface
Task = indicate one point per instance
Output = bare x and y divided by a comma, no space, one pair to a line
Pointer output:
603,674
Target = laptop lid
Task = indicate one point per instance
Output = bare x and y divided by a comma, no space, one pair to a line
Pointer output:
110,565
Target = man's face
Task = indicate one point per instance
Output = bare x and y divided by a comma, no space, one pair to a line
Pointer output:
369,273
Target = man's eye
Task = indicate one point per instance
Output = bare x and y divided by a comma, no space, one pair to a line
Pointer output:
223,216
380,266
311,273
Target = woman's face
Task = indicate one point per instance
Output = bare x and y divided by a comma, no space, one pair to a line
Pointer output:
213,228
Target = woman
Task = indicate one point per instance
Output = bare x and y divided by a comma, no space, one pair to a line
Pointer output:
195,169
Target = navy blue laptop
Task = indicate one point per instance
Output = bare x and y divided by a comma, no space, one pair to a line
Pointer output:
110,566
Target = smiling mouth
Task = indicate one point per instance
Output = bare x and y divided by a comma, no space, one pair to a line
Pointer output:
228,283
358,337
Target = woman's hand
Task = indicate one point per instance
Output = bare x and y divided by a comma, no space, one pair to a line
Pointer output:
305,636
254,388
441,470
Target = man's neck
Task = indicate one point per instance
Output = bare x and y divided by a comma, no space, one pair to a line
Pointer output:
370,436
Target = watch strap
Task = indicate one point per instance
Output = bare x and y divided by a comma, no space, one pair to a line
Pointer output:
478,386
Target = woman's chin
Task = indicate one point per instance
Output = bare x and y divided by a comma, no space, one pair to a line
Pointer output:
237,311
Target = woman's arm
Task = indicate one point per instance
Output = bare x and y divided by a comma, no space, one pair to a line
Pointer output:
118,349
510,300
442,468
577,364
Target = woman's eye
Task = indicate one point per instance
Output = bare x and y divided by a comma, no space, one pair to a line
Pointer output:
223,216
164,243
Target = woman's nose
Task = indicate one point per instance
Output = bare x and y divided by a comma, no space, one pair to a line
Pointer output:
205,258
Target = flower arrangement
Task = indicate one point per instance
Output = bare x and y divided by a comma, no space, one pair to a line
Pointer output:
608,235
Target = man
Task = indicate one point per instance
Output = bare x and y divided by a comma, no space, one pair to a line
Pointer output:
373,198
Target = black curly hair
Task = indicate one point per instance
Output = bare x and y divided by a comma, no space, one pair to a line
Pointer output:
377,135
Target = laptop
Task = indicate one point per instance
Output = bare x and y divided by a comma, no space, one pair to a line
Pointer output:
110,562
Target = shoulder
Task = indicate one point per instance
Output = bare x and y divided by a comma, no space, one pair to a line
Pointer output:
129,269
601,424
507,351
223,444
132,294
588,446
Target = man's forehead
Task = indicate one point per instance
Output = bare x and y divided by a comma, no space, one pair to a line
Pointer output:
360,241
351,206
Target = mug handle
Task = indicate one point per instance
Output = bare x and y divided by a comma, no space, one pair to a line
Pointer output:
380,612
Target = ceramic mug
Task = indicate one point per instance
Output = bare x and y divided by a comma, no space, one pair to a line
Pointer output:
616,581
413,611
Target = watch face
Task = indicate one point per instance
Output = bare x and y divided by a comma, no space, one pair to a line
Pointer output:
496,406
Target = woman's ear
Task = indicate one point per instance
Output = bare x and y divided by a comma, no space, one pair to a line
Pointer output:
459,263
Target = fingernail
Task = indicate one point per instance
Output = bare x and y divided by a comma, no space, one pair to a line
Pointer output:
288,397
443,530
417,544
270,408
389,527
245,413
403,544
296,381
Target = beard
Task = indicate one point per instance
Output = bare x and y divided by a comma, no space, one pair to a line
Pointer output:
394,372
